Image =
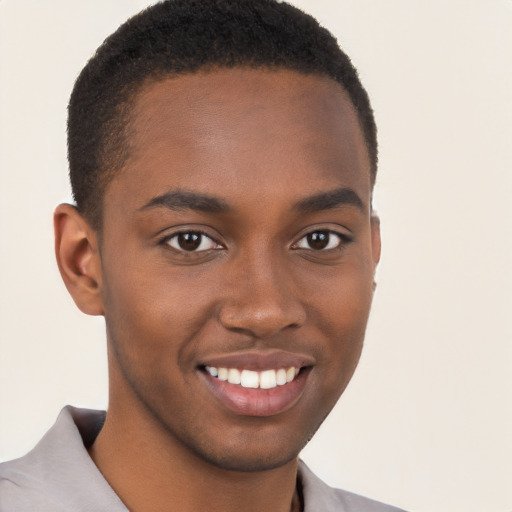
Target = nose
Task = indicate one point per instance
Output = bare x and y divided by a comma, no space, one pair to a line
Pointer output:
262,299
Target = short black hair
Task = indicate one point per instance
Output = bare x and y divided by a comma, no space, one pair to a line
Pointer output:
177,37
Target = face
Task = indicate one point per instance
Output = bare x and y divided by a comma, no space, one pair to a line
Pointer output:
238,253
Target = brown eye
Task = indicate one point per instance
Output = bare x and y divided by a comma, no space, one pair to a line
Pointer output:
192,241
320,241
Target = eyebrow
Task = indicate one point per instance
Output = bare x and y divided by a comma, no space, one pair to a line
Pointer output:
329,200
183,200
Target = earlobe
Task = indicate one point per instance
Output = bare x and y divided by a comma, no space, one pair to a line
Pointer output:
78,258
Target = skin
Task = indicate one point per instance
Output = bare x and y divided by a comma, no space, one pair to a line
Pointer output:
262,144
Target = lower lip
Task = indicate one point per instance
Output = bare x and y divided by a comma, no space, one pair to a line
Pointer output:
258,402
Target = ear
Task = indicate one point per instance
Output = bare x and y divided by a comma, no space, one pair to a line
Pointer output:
376,242
78,258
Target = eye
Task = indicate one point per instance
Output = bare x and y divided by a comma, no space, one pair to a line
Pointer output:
321,240
192,241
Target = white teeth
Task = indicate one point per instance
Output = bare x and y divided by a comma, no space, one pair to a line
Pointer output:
222,374
212,371
249,379
281,377
233,376
267,379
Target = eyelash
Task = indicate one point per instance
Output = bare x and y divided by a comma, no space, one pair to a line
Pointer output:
202,237
343,239
200,234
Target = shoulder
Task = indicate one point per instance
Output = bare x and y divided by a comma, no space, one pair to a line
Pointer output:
51,477
22,486
351,502
319,496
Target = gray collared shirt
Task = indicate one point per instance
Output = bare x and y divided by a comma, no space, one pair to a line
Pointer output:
59,476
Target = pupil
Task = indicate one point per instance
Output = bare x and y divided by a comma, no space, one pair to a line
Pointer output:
318,240
189,241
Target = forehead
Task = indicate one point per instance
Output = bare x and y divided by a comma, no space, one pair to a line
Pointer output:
246,130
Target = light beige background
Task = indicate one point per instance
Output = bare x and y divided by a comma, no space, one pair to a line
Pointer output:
427,421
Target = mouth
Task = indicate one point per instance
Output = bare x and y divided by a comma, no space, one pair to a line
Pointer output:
257,385
266,379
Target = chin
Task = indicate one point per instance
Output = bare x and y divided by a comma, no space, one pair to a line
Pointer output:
260,450
247,463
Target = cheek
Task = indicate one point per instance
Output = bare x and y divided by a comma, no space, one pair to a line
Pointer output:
339,313
340,299
153,316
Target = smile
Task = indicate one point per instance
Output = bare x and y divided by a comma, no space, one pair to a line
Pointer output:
266,379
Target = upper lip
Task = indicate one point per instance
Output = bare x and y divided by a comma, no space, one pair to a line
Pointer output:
259,360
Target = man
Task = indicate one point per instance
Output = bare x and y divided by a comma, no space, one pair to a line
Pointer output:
222,158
